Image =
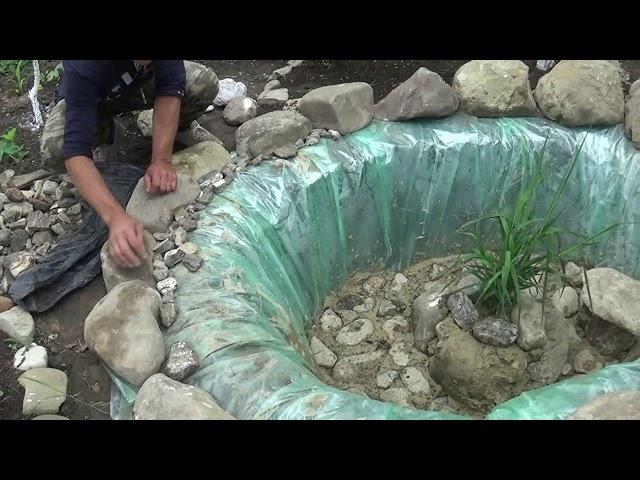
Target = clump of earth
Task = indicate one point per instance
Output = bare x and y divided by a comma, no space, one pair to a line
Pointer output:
417,338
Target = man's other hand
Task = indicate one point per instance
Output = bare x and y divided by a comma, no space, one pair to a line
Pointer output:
160,178
126,241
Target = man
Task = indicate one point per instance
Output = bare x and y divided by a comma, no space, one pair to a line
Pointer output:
94,91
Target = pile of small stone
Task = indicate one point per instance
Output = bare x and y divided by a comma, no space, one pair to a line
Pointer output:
37,209
416,339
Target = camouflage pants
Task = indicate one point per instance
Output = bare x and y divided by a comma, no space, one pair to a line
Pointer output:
201,90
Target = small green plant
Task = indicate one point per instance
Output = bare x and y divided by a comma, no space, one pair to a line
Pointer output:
53,75
13,344
18,76
8,146
528,246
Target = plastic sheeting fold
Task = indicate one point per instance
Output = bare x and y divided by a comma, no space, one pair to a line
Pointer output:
285,234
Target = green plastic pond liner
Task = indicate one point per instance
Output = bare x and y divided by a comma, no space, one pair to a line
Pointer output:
285,234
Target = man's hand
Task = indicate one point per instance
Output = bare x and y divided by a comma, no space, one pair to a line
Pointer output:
160,178
126,241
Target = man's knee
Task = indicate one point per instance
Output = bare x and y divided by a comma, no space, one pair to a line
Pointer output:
202,85
52,139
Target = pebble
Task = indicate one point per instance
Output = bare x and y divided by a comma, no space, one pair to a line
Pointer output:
31,356
45,390
189,248
399,281
386,308
58,229
365,306
386,379
355,332
168,314
587,361
164,246
415,381
463,311
330,321
399,396
169,283
323,355
192,262
160,273
179,236
396,327
399,354
173,257
182,361
161,236
74,209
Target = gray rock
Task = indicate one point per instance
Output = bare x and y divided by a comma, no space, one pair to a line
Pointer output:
613,406
567,301
123,331
205,197
386,379
615,298
550,360
463,311
197,162
30,356
273,98
169,283
19,262
161,398
426,313
49,187
114,275
346,107
155,211
634,352
271,85
37,221
167,296
17,323
475,374
189,248
19,239
366,305
5,176
45,390
23,181
357,366
168,314
398,396
240,110
415,381
161,236
330,321
423,95
573,274
173,257
386,308
5,237
182,361
160,272
192,262
607,338
20,224
14,195
399,354
42,237
285,151
396,327
632,114
587,360
74,209
495,331
14,211
188,223
144,120
164,246
495,88
266,133
323,355
280,73
582,93
355,332
58,229
528,317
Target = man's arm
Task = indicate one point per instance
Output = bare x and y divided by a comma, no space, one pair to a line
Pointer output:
126,241
170,88
160,176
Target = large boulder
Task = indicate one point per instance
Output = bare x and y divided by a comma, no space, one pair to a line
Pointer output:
271,131
155,211
632,114
161,398
423,95
607,338
582,93
615,298
122,329
201,159
113,274
613,406
475,374
346,107
495,88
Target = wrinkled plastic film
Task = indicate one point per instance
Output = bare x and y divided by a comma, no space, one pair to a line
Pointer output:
285,234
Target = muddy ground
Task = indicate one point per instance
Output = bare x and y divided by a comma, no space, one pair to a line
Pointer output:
60,329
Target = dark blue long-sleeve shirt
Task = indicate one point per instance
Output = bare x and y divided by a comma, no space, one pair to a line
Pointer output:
87,82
